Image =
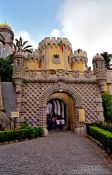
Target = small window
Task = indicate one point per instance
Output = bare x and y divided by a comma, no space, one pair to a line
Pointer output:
56,59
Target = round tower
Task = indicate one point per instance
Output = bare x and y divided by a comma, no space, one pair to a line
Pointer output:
55,53
79,60
8,34
99,70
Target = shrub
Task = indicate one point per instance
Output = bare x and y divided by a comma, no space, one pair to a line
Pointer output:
104,125
107,106
104,137
20,134
25,125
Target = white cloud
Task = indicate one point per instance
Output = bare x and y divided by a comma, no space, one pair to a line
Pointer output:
87,24
26,37
55,33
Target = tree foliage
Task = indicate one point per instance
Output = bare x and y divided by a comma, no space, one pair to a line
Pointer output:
6,68
107,106
20,45
108,60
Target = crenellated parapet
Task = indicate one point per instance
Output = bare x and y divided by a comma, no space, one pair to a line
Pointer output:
34,55
79,56
54,41
79,60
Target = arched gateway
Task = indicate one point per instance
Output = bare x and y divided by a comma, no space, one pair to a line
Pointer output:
50,73
62,92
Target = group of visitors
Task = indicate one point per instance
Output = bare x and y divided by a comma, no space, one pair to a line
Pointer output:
60,123
56,122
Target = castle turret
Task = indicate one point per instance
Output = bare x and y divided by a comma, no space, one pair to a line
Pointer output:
99,70
79,60
33,60
55,53
19,64
7,33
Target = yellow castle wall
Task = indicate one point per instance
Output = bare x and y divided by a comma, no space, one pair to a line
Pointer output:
55,50
47,53
108,88
32,64
78,66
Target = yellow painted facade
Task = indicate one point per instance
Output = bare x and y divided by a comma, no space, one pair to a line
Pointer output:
32,64
78,66
47,53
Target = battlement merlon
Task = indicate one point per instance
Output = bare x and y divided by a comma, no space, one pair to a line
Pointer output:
79,55
50,41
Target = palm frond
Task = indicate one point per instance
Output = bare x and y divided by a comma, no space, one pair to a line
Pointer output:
27,50
28,46
20,39
24,43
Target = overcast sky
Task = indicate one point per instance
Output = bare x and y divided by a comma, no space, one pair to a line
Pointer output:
86,23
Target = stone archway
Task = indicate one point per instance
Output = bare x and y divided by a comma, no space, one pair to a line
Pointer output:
59,87
56,108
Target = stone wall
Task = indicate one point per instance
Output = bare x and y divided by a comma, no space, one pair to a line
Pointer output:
36,95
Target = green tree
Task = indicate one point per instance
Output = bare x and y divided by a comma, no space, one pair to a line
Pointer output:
108,60
6,68
21,46
107,106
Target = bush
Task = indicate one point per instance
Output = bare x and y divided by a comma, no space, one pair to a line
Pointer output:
107,106
104,137
20,134
6,68
104,125
25,125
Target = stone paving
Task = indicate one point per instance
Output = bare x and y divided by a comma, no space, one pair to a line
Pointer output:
60,153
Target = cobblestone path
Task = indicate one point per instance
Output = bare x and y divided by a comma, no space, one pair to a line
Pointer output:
60,153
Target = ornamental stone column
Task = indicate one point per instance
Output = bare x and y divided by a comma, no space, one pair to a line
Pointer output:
100,71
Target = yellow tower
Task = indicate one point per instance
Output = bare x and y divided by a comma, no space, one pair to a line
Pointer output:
79,60
55,53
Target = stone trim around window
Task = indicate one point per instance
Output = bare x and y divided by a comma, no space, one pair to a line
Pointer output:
56,59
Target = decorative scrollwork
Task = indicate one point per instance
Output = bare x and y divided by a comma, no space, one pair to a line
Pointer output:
75,74
88,73
32,74
61,73
45,73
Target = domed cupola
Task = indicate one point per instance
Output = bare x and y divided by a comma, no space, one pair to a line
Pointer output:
100,71
98,63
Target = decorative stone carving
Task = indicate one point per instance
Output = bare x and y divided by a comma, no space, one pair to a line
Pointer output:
18,89
75,74
45,73
32,74
88,73
61,73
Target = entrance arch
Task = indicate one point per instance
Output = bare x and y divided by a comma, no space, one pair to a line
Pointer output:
59,88
56,109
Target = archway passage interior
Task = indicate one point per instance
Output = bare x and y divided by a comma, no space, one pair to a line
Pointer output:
60,106
56,109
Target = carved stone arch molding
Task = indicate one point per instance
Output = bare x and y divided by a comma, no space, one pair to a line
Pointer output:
59,87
